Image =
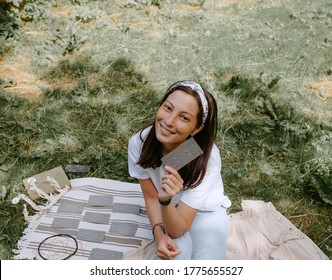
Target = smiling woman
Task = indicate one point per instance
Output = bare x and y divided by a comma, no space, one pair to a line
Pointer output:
176,120
186,207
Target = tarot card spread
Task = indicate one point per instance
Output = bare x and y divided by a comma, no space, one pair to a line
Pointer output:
183,154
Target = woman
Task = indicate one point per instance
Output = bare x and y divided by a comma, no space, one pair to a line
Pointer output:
186,208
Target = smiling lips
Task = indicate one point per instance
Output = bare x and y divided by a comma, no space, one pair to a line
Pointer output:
165,130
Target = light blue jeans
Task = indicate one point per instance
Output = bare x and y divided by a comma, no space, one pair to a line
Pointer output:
206,239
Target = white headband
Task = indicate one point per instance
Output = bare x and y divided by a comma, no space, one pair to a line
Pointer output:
198,89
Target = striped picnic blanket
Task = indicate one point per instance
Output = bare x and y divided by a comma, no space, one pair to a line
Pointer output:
103,218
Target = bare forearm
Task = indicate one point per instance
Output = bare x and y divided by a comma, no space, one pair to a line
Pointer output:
173,221
176,220
168,216
153,211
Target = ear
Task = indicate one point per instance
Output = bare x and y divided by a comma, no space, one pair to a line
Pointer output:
197,129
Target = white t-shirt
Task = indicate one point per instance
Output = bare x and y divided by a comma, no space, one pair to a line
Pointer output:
207,196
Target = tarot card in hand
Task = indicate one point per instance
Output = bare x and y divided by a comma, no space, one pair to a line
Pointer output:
183,154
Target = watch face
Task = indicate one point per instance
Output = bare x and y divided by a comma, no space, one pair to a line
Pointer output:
166,202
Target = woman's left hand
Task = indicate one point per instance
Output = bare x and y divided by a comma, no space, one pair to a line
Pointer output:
171,184
167,249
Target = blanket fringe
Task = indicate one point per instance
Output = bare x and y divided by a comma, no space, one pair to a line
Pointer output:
40,210
25,238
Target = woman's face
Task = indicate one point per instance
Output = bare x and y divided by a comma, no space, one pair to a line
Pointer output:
176,120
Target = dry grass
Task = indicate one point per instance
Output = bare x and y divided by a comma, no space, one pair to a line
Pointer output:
322,88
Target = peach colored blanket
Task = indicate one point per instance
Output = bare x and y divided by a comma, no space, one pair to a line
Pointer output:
259,232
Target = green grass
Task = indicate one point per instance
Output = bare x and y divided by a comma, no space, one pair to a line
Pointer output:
88,124
104,68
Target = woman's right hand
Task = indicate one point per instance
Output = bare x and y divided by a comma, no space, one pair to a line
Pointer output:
167,248
171,184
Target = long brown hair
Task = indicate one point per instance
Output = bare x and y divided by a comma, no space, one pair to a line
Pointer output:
194,172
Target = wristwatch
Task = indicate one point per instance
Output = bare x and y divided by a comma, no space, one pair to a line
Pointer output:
165,202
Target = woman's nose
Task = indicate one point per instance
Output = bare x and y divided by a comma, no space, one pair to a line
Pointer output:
170,119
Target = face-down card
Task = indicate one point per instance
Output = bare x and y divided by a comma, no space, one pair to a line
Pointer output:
183,154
